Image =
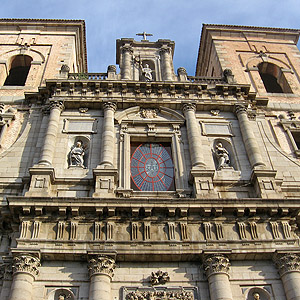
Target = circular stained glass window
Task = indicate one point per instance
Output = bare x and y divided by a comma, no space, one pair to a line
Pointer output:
152,168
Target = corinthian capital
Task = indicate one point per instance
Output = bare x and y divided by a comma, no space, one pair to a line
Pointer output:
110,105
288,262
26,264
240,108
57,104
216,263
101,265
165,49
188,106
127,48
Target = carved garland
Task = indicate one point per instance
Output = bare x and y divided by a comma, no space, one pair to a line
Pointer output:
101,265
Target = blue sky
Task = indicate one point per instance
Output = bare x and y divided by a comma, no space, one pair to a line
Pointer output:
178,20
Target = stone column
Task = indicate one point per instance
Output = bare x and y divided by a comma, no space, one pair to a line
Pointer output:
25,269
101,271
50,139
216,267
289,269
166,61
126,62
249,139
108,134
194,136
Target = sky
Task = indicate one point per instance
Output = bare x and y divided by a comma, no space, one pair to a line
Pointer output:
177,20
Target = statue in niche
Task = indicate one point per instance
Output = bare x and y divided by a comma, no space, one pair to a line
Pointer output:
147,72
222,156
76,155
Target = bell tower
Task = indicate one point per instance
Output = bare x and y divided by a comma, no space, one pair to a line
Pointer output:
146,61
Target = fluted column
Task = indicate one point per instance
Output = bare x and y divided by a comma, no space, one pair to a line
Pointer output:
166,63
101,271
216,267
289,269
50,139
108,135
126,62
194,136
25,269
249,139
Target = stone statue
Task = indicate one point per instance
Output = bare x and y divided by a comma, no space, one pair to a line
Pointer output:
147,72
222,156
256,296
76,154
61,297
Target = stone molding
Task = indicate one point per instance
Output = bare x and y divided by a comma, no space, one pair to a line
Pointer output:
288,262
101,265
189,106
216,263
26,264
110,105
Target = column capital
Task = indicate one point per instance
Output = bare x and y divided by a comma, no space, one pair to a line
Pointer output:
56,104
127,48
189,106
240,108
109,105
216,263
288,262
101,264
26,263
164,49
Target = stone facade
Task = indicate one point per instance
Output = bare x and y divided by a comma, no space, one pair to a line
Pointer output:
146,184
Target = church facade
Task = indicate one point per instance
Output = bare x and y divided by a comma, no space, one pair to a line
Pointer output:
146,183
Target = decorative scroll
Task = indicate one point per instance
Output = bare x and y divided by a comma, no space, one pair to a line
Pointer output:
160,293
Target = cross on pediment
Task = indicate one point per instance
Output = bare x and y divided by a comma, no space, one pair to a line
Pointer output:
144,35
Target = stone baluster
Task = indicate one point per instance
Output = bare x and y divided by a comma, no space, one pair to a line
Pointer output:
194,136
249,139
126,62
167,66
101,271
50,139
108,138
25,270
216,267
289,269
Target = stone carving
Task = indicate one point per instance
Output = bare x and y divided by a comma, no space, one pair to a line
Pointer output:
207,230
134,230
110,105
215,112
183,231
24,228
148,113
189,106
97,231
147,72
287,263
101,265
219,231
287,229
112,68
216,263
73,230
26,264
253,230
256,296
109,231
65,68
6,271
159,277
275,231
147,231
56,104
83,110
222,156
160,294
60,230
242,230
181,71
171,228
76,155
35,229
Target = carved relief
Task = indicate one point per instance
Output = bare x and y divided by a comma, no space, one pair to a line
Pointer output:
159,277
222,156
134,230
109,231
275,231
26,264
97,231
287,229
73,230
207,230
148,113
101,265
171,228
60,230
24,228
287,263
216,263
6,271
242,230
219,231
76,155
35,229
183,231
147,231
159,293
253,230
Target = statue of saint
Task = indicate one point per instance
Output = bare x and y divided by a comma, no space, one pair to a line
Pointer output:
222,156
147,72
76,154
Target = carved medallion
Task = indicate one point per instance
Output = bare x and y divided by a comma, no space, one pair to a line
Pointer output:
148,113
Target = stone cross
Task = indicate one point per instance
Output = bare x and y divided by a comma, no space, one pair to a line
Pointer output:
144,35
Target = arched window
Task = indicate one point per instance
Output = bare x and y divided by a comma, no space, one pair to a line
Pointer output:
273,78
19,70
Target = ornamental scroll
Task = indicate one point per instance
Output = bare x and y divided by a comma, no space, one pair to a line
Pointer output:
160,293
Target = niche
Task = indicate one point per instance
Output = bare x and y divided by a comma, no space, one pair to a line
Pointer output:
147,70
78,155
223,155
